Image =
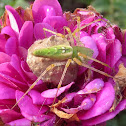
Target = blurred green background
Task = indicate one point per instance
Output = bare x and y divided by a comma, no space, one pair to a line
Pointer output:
113,10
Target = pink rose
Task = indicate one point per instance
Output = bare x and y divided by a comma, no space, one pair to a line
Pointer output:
83,101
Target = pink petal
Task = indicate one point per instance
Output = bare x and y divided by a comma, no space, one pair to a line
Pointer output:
51,93
93,28
106,116
50,122
101,44
29,76
6,92
118,33
86,104
44,11
26,35
6,71
23,52
20,122
39,33
15,62
57,22
115,53
36,97
29,110
15,19
2,43
69,97
11,46
4,57
92,87
7,81
110,34
90,43
8,31
8,115
103,103
85,21
51,7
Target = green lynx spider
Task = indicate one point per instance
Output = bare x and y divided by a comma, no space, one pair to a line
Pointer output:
69,53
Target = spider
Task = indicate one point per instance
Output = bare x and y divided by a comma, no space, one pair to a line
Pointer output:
64,54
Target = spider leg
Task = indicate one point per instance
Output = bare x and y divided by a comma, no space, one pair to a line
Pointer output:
69,35
78,27
77,38
90,58
62,77
55,33
33,85
92,68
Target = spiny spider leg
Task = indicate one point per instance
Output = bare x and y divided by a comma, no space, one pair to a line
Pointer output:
77,30
72,37
78,26
92,68
55,33
77,38
90,58
33,85
62,77
69,35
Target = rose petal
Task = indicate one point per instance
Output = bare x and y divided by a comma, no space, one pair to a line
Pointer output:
106,116
69,97
4,57
36,97
101,44
29,110
118,33
44,11
50,122
92,87
110,36
15,62
11,46
86,104
90,43
5,80
14,18
51,93
23,52
115,53
20,122
38,9
6,71
2,43
6,92
57,22
26,40
39,33
8,115
8,31
30,77
103,103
